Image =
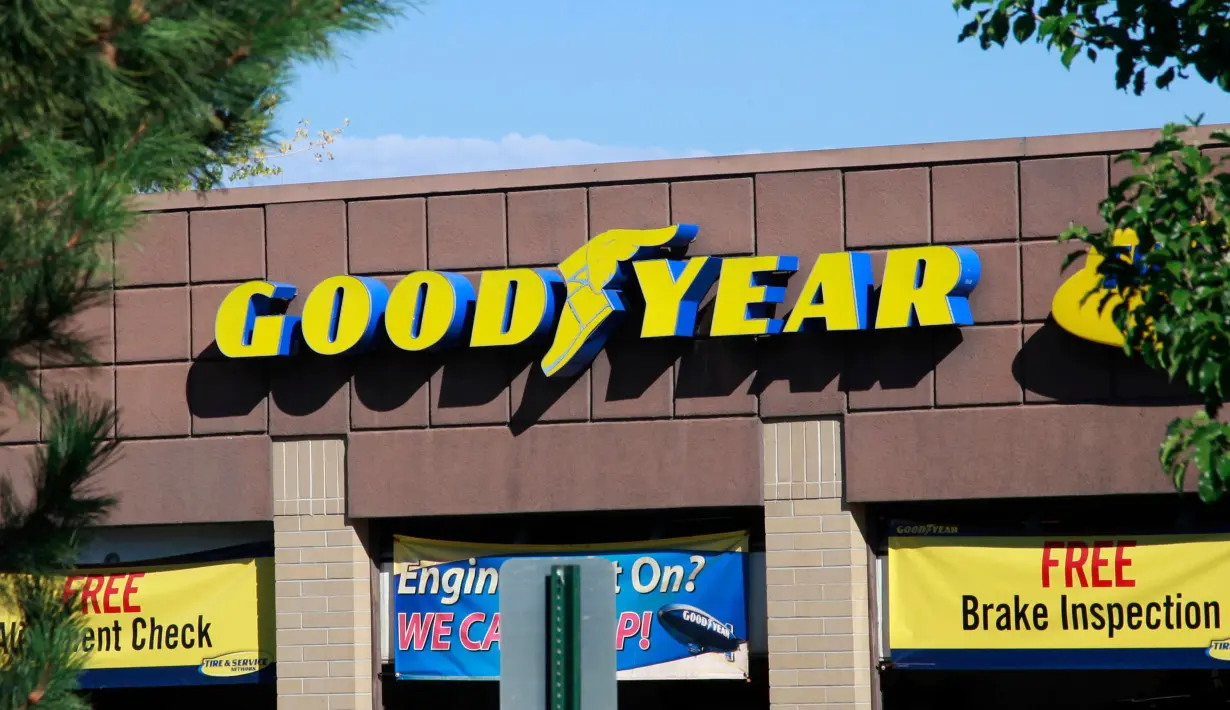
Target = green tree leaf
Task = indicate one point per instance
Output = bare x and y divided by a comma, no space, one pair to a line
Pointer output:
1165,78
1023,27
1208,488
1223,470
1069,53
1152,41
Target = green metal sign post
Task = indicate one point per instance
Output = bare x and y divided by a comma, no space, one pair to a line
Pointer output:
557,634
564,638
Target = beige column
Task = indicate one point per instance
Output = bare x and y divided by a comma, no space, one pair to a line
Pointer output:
816,570
324,594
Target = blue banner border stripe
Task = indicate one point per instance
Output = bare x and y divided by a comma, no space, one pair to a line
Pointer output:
100,678
1054,659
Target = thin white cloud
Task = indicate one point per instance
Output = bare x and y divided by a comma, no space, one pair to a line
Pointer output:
401,156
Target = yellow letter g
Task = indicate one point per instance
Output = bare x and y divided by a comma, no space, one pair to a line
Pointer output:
246,326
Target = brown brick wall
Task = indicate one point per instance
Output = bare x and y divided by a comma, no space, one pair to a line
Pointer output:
1006,199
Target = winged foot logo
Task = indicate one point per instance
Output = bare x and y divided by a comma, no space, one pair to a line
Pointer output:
434,310
1077,305
593,307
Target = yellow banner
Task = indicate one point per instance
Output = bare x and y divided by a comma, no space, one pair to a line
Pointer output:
183,624
1094,602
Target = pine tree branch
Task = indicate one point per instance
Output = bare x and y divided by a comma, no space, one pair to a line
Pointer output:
36,695
41,536
179,85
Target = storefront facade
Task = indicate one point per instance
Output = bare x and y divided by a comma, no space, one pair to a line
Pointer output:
963,406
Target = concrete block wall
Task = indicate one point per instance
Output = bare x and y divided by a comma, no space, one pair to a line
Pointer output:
323,573
816,570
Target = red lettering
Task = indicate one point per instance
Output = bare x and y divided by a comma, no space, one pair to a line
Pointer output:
1077,565
68,588
443,628
493,632
130,588
415,631
1047,562
1099,546
1078,555
463,632
89,594
629,627
1122,561
110,591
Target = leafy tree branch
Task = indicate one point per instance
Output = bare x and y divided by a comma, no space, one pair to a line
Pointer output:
1152,40
1169,293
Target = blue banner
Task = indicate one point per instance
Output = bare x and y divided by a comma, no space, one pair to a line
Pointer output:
680,606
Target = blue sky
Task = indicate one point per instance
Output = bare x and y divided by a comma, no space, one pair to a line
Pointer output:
463,85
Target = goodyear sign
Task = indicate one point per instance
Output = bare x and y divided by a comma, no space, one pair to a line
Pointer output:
959,601
573,309
179,624
680,606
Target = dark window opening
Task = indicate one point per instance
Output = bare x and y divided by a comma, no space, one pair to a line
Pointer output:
633,694
186,697
1027,690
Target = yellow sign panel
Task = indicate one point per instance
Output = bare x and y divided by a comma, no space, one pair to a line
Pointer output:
958,601
184,624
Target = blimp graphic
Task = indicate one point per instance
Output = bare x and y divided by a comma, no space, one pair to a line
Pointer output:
699,630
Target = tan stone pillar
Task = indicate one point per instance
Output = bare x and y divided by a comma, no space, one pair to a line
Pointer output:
323,571
816,571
